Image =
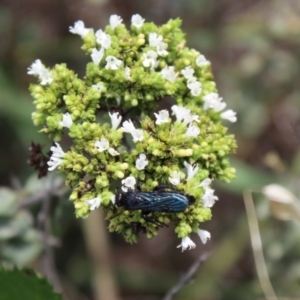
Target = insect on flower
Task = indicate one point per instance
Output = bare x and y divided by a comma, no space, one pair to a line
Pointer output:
161,199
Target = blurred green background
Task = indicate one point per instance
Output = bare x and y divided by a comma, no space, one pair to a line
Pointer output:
254,47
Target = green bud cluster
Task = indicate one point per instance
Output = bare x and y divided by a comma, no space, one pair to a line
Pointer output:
97,174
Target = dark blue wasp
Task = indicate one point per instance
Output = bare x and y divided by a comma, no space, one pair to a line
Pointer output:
161,199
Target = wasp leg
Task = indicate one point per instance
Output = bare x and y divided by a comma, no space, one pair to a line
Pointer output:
165,188
137,227
153,220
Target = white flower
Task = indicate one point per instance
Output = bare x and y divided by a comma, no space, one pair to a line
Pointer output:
102,145
169,73
98,86
137,21
66,121
194,86
191,170
141,162
127,73
97,55
149,59
213,101
154,39
79,29
114,21
113,152
229,115
161,49
116,119
56,158
113,199
93,203
112,63
188,72
205,183
209,198
175,178
137,134
204,235
186,243
201,61
128,183
192,131
37,68
162,117
128,126
103,39
184,114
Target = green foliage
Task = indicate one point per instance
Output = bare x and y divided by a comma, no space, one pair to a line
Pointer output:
25,284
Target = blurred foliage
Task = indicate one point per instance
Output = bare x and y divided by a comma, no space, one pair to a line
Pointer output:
254,49
25,285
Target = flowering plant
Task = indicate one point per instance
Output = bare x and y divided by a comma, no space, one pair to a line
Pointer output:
129,75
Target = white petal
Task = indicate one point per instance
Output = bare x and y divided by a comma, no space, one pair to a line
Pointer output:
93,203
112,63
128,183
192,170
66,121
204,235
175,178
201,61
186,243
141,162
113,152
229,115
102,145
116,119
162,117
114,21
79,29
97,55
137,21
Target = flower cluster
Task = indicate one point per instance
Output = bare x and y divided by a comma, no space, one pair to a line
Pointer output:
120,140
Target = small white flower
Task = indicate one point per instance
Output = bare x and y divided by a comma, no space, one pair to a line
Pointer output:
192,131
191,170
102,145
114,21
98,86
149,59
112,63
103,39
66,121
205,183
97,55
113,152
56,158
209,198
169,73
201,61
162,117
128,126
127,73
141,162
188,72
154,39
137,134
113,199
79,29
93,203
204,235
116,119
161,49
175,178
37,68
194,86
128,183
184,115
229,115
213,101
186,243
137,21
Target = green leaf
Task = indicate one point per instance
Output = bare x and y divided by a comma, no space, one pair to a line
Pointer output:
25,285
